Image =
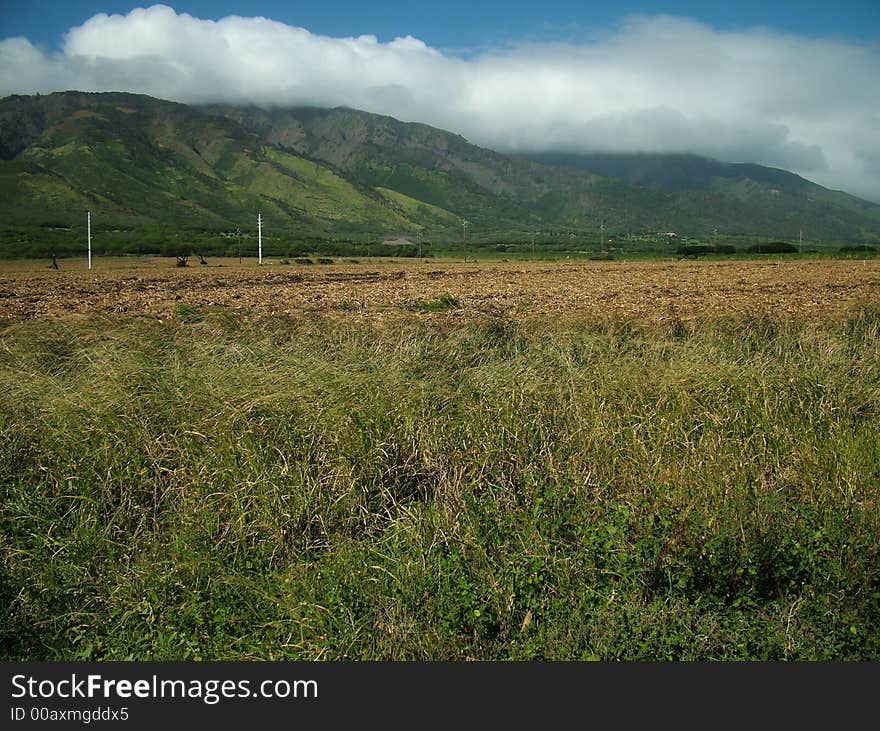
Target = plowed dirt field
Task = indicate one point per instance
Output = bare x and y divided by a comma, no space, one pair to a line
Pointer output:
651,291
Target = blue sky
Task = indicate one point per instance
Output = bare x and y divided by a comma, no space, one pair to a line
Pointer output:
793,85
453,24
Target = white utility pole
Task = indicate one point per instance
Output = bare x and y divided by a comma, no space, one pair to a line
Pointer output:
801,241
260,239
464,225
602,236
89,235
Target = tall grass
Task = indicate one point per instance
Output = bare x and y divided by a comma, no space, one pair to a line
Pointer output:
221,489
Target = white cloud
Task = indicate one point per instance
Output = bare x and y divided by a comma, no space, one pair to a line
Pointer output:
654,84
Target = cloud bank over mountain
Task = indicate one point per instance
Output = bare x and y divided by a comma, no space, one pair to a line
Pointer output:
653,84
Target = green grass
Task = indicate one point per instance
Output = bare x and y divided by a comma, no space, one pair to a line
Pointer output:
212,487
443,302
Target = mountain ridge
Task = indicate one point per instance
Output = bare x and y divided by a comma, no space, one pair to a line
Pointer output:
297,127
165,171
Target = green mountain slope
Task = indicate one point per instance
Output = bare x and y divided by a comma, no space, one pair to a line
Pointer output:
492,191
156,173
420,162
779,195
159,169
682,193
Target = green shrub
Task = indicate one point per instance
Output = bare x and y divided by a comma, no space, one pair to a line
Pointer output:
443,302
774,247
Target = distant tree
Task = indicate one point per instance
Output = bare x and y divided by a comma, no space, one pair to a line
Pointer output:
773,247
694,250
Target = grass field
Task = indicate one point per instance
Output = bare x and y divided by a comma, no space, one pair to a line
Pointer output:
609,460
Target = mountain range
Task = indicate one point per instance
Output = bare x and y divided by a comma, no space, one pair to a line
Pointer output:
153,172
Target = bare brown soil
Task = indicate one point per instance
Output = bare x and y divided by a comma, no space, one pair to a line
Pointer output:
652,291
